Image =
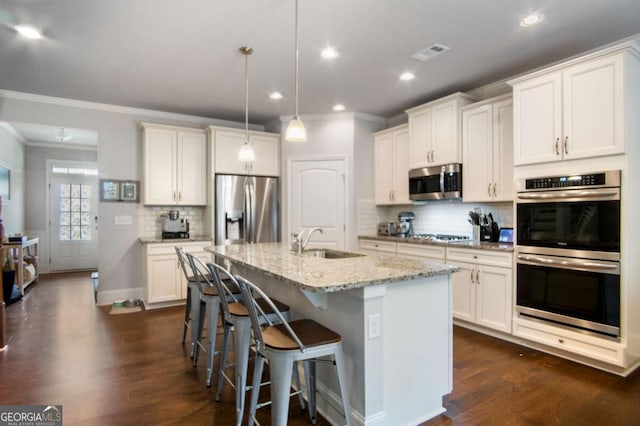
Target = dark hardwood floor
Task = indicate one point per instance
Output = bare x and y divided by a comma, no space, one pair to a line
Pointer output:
131,369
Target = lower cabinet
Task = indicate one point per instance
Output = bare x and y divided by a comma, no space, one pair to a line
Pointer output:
165,280
422,252
482,290
378,247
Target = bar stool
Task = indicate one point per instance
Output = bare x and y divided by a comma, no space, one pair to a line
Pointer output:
191,285
207,298
282,345
236,315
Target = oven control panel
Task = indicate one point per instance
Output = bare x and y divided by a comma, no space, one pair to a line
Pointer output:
593,179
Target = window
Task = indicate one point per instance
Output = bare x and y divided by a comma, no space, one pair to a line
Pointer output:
75,212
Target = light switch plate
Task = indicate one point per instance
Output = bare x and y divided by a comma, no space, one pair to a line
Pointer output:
375,326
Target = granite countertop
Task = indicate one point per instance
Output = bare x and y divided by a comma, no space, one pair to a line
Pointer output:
159,240
328,275
461,244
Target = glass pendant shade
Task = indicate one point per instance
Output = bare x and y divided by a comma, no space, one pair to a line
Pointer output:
296,131
246,152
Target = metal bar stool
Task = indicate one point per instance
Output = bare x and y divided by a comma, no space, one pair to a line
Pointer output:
235,315
191,285
282,345
207,297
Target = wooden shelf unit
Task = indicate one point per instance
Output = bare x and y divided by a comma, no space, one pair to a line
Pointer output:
18,250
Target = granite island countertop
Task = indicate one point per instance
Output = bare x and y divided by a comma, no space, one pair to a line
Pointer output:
322,275
160,240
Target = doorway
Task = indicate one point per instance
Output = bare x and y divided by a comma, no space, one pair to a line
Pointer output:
317,198
73,215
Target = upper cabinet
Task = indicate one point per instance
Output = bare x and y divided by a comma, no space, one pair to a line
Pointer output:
226,146
175,165
487,146
575,110
434,131
391,152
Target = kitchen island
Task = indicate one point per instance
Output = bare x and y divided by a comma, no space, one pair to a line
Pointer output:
394,316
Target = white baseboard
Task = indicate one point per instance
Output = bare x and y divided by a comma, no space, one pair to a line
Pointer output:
110,296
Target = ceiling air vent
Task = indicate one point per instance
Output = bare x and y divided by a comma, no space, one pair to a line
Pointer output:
425,54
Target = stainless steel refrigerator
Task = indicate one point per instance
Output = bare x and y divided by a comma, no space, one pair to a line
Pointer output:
247,209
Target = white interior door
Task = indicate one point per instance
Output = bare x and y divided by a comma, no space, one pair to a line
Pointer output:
317,199
73,230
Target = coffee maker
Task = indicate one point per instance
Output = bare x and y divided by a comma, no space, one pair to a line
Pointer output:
405,224
173,226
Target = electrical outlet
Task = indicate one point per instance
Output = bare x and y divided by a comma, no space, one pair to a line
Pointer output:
375,326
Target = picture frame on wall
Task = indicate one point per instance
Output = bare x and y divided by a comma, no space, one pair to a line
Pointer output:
109,190
5,183
129,191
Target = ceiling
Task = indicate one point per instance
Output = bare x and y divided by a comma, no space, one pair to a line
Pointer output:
182,56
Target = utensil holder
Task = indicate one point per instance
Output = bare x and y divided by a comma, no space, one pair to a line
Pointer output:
476,234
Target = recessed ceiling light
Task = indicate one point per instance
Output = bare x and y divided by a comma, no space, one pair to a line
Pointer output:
329,53
339,107
275,95
28,32
530,20
407,76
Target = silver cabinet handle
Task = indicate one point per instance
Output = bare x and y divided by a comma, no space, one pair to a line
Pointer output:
471,273
477,277
495,189
566,144
179,195
489,189
557,142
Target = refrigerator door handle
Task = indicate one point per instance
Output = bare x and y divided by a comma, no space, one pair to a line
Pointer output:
247,211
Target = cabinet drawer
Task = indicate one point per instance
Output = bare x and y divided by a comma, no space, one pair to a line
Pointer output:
481,257
381,246
436,253
591,347
164,248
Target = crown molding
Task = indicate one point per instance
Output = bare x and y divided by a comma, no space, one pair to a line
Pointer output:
53,145
74,103
13,132
335,116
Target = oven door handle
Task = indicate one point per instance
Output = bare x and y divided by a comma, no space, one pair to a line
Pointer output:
566,263
567,194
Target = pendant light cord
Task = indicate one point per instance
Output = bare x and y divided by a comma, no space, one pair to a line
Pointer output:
246,97
296,56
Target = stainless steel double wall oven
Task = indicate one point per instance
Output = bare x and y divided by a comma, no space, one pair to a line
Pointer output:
568,251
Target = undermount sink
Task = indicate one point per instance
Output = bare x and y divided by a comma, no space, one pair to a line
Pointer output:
331,254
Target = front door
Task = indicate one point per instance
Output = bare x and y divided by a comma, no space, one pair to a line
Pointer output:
73,231
317,199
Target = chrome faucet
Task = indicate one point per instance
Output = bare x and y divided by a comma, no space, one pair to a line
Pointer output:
297,246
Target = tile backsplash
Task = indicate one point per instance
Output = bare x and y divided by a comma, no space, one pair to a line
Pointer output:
433,217
151,219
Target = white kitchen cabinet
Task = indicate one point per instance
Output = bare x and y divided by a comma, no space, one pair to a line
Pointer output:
378,247
421,251
227,144
482,290
175,165
435,131
165,281
391,159
572,110
487,146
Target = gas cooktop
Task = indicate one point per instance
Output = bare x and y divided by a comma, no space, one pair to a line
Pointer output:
440,237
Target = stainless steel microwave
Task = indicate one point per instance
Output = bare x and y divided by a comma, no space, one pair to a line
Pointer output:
436,183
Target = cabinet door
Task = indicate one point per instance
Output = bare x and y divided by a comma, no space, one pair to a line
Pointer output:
419,138
383,179
401,167
227,148
593,105
537,118
192,168
160,186
494,300
164,282
464,292
502,151
477,142
445,139
267,155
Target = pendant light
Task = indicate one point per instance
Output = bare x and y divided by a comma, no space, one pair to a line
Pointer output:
296,131
63,135
246,151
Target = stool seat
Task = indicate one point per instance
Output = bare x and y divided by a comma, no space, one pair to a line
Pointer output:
213,291
240,310
309,332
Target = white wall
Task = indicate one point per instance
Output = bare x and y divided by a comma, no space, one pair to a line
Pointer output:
12,155
119,157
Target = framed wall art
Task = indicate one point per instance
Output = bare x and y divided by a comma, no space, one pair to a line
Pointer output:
5,182
119,190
